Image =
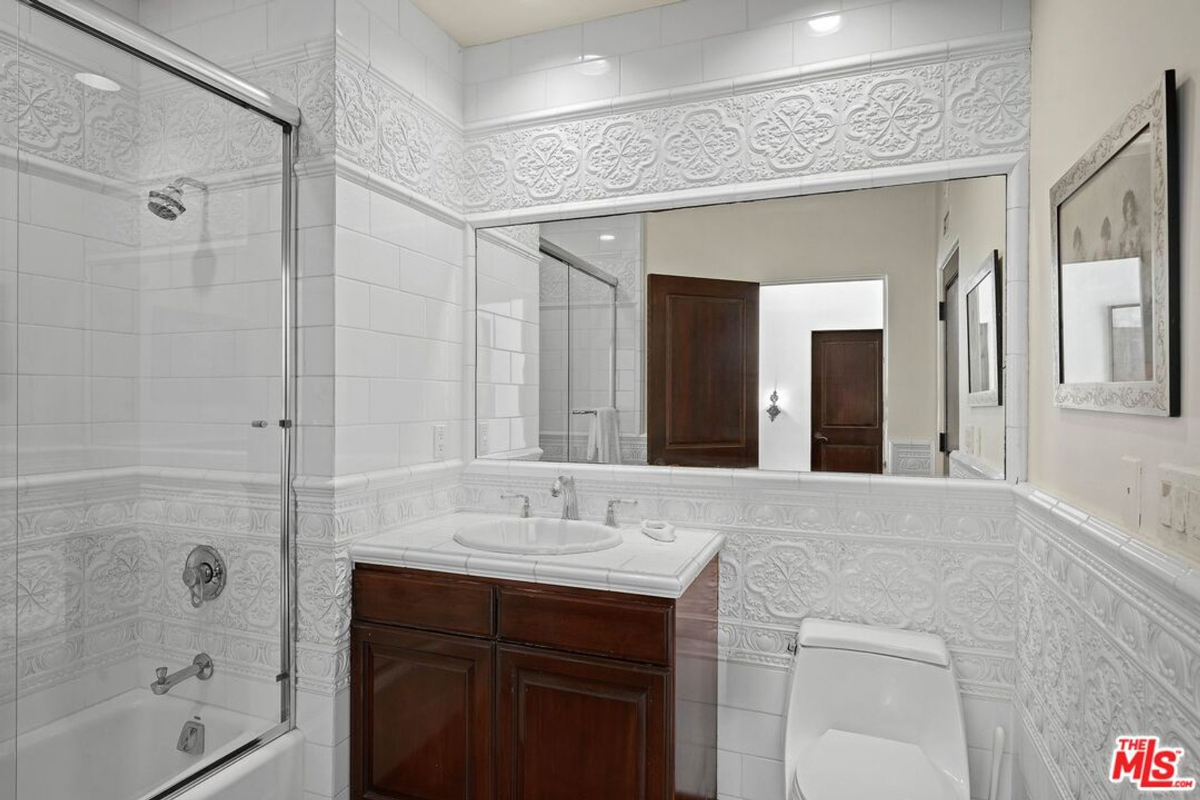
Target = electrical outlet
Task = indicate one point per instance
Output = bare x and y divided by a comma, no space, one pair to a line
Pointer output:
484,449
1131,492
439,441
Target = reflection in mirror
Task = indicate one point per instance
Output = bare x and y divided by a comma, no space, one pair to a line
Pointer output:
983,336
793,334
1107,309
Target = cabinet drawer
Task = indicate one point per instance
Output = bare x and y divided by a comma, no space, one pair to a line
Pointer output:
587,622
423,600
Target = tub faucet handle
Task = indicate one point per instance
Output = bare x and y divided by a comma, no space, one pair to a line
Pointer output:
161,673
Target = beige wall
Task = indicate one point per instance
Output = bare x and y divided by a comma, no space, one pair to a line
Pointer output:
1092,59
878,232
977,223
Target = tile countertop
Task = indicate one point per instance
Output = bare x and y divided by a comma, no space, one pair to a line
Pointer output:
639,565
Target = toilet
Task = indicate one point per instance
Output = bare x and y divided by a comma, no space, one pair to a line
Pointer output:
873,714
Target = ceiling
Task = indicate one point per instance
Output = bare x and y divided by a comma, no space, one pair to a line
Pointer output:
473,22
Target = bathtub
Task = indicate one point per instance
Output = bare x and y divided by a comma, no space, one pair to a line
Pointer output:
124,748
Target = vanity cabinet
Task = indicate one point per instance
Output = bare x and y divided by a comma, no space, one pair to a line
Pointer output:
478,689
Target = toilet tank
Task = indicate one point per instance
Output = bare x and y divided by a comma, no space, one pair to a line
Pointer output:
878,682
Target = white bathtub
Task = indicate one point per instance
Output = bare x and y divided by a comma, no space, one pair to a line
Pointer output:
124,749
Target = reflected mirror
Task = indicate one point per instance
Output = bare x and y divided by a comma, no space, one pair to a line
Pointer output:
983,335
799,334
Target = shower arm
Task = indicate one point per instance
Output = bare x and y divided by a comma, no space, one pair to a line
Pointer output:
184,180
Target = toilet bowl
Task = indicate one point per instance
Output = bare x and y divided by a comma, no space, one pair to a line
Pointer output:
873,714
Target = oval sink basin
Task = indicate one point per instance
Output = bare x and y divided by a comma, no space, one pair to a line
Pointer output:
538,536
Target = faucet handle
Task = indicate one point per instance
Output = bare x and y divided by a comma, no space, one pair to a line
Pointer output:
161,672
525,512
610,515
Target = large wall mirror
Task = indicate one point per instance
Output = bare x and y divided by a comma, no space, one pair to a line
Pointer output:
826,333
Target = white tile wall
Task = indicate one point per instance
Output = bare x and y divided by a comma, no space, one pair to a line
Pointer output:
694,41
397,301
406,47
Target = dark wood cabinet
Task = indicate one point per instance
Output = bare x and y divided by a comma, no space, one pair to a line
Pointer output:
424,703
515,691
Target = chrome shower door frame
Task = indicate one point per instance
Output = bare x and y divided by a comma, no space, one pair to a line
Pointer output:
100,23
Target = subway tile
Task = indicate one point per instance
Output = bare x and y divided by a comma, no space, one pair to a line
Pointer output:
367,259
624,33
662,68
553,48
762,13
511,95
692,20
353,24
487,62
397,58
394,311
750,732
423,33
916,22
862,31
747,52
597,79
762,778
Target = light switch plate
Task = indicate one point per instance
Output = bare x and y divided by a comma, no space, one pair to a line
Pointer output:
1131,492
439,441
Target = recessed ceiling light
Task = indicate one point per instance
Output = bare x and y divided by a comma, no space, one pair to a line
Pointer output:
607,237
97,81
823,26
594,65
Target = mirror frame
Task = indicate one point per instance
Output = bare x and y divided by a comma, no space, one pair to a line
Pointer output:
1012,166
1157,114
989,272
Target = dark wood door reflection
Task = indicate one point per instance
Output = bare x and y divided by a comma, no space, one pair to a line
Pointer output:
702,372
847,401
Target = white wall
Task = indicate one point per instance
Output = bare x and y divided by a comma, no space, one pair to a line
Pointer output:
978,224
788,315
698,41
1091,62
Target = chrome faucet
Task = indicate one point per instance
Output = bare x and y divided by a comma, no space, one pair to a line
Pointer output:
202,668
565,487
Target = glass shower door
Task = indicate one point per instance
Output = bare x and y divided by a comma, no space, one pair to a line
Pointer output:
146,372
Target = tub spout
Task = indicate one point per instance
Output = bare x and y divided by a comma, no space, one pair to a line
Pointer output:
202,668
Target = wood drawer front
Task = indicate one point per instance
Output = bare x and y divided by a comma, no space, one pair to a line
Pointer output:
587,622
422,600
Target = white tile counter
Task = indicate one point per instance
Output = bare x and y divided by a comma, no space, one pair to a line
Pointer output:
639,565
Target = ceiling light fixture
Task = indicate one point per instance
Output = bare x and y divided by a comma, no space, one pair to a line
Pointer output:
823,26
97,81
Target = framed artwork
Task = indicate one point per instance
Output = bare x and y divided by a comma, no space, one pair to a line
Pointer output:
984,343
1115,245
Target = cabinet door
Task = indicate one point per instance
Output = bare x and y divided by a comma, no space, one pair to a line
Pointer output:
421,715
580,729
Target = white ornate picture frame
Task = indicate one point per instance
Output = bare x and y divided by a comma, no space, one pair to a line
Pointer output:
1156,116
987,276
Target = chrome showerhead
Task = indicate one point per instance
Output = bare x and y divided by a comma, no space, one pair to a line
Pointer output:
167,203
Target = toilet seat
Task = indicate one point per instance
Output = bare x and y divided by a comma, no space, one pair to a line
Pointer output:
841,765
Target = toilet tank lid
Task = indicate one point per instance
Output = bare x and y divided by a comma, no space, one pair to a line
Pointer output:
831,635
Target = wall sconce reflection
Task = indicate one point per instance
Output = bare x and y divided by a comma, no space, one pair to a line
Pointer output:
773,410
